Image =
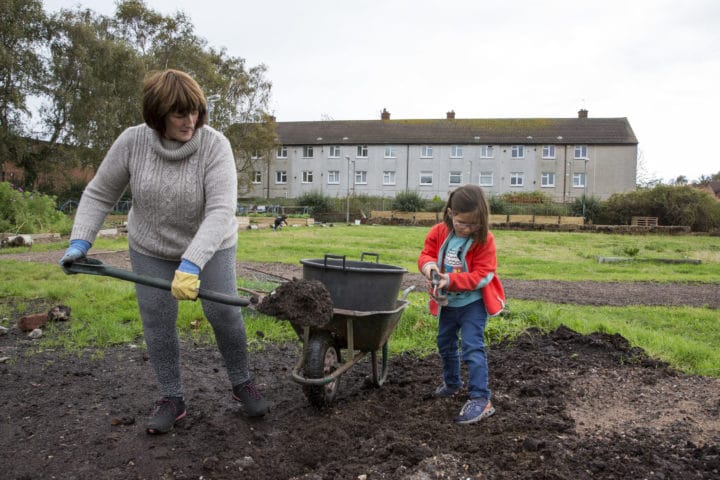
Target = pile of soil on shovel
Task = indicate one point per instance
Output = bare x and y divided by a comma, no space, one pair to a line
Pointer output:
569,406
300,301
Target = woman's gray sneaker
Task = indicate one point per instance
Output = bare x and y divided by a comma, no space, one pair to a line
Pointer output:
168,410
251,400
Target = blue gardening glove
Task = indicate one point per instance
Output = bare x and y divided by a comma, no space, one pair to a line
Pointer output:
78,249
186,283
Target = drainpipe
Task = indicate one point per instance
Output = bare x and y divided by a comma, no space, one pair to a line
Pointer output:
407,167
565,174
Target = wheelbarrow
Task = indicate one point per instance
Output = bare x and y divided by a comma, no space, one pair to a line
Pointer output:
366,310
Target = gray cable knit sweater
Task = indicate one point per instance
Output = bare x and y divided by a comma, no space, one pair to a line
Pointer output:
184,194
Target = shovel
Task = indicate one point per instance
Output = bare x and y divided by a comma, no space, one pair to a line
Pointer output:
93,266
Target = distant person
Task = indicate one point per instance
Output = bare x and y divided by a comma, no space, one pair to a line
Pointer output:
460,253
279,222
181,227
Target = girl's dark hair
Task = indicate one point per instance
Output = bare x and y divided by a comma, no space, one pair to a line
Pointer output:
469,199
171,91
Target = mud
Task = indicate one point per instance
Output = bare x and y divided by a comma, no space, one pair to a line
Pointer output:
302,302
569,406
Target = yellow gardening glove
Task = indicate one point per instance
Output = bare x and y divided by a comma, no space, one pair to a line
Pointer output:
185,285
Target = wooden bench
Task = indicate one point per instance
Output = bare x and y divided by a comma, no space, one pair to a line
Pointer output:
644,221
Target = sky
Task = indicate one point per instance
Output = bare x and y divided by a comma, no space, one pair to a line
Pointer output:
655,62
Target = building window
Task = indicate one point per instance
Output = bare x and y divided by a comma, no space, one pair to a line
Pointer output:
486,151
307,176
334,151
516,179
388,177
334,177
456,151
360,177
455,178
581,151
307,151
548,151
257,177
426,178
486,179
426,151
518,151
256,155
280,176
362,151
579,180
390,152
547,179
282,151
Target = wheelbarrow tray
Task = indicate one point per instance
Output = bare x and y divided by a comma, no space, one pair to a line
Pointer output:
363,330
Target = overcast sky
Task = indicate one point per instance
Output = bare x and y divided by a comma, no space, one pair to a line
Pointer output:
656,62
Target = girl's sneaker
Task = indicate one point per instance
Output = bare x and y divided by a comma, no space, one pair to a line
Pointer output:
168,410
475,410
444,391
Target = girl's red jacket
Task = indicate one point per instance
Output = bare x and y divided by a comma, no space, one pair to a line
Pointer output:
478,260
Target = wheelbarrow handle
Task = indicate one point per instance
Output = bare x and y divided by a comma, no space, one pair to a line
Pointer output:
96,267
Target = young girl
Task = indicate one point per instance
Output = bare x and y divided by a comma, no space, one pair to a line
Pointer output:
460,253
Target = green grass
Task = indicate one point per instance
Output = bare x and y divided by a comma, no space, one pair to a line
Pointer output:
104,310
521,255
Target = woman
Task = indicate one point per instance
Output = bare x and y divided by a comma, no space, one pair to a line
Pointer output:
181,227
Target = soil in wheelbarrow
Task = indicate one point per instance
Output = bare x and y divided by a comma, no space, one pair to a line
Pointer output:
300,301
569,406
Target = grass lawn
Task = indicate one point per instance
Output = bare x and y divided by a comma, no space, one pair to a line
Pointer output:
105,311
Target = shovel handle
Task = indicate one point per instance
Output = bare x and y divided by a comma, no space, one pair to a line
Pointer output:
96,267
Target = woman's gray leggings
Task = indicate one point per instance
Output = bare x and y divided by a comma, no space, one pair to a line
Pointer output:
159,310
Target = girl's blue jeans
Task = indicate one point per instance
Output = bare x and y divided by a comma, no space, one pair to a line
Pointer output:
469,321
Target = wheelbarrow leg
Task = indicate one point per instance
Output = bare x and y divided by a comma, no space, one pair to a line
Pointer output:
379,372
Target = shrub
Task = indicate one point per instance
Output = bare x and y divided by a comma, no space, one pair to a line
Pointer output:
589,208
672,205
317,202
29,212
436,204
498,205
526,197
409,201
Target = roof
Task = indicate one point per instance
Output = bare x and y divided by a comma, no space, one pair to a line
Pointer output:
508,131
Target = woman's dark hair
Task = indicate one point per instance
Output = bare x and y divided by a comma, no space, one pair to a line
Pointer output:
469,199
171,91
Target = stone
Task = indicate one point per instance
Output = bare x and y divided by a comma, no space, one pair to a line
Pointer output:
59,313
37,333
31,322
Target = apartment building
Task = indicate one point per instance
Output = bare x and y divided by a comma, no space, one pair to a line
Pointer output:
562,157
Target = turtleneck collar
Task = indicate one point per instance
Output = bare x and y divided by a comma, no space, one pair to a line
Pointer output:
174,150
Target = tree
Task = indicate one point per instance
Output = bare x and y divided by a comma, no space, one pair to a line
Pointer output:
89,81
680,180
22,29
94,84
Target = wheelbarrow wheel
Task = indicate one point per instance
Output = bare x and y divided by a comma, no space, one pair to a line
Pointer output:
322,357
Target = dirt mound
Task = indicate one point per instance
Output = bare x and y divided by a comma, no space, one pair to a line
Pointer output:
303,302
568,407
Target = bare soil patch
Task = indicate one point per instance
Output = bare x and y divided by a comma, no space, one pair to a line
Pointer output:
569,406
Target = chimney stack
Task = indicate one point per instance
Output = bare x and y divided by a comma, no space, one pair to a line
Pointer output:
451,115
385,115
582,113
